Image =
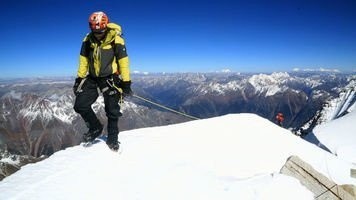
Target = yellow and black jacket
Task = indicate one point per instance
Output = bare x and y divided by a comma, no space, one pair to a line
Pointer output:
106,57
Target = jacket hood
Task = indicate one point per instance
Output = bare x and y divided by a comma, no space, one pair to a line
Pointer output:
115,27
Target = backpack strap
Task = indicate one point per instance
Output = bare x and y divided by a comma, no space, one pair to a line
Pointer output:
116,55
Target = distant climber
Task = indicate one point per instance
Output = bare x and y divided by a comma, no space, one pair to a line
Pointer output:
279,119
103,65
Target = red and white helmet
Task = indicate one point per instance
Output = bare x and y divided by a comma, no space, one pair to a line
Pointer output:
98,21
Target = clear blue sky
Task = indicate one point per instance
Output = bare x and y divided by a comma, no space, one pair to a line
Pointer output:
43,37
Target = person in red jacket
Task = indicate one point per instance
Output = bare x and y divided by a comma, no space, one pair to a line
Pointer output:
279,118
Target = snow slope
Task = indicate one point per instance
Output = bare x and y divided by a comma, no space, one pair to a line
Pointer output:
338,106
339,136
336,127
230,157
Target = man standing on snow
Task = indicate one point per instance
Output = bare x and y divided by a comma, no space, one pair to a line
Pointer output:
103,65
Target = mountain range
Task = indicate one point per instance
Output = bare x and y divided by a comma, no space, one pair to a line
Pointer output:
37,116
297,95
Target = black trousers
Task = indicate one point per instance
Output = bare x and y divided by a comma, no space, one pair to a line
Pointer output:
88,96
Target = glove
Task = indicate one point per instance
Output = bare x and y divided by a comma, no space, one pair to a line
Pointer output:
126,88
117,80
76,85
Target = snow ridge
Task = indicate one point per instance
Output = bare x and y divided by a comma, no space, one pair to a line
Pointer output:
341,105
165,163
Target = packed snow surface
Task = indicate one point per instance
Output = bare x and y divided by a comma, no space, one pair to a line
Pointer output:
339,136
230,157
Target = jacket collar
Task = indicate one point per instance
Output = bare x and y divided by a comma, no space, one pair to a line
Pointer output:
108,39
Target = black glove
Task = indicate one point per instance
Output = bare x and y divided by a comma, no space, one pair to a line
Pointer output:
126,88
117,80
76,85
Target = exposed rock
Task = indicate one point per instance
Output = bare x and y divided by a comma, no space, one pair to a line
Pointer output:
10,163
353,173
7,169
350,189
320,185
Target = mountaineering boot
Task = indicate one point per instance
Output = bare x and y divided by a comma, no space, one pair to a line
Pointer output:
92,134
113,143
113,132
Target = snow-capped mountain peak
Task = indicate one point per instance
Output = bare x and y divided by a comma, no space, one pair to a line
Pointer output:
270,84
48,108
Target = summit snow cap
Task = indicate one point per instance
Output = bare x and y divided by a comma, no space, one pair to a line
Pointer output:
98,21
